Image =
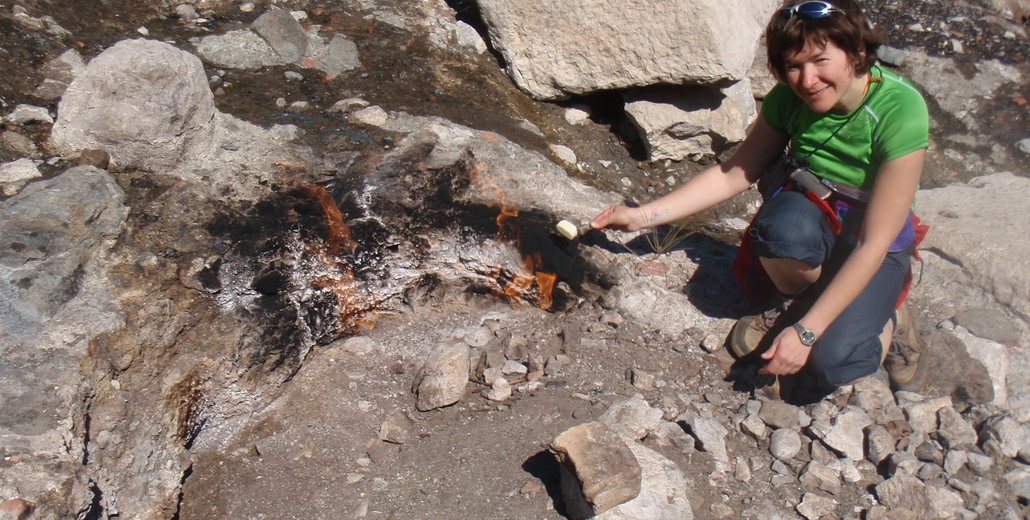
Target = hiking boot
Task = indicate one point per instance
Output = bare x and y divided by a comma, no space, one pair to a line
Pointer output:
907,359
749,331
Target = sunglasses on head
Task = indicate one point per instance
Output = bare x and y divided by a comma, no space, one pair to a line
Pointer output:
810,10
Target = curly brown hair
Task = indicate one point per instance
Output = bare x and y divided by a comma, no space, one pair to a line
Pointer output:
850,30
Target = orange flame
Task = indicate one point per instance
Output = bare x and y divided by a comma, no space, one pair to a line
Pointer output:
339,233
521,285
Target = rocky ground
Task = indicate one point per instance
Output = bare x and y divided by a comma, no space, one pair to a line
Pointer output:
340,433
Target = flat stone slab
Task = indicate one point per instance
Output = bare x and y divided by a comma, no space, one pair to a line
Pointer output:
978,225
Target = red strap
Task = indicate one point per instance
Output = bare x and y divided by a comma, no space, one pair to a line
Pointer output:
828,212
921,230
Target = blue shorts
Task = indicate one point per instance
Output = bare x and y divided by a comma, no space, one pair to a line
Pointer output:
791,226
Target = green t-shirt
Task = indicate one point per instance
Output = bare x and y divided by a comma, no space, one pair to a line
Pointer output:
892,122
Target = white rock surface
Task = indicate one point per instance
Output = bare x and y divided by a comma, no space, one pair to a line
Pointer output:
980,220
19,170
662,490
553,48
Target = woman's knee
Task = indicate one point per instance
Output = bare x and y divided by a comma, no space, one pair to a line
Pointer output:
842,363
791,226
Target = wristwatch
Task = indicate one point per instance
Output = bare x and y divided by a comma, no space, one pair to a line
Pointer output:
807,336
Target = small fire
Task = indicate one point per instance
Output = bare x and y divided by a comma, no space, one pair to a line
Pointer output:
339,233
521,285
353,303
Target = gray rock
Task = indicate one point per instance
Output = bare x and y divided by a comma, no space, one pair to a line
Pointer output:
241,49
944,503
1019,482
710,434
358,345
741,471
927,452
342,56
469,37
500,390
879,443
929,472
814,506
954,461
670,435
988,324
54,298
904,492
598,470
444,376
975,239
779,414
127,103
1007,432
17,171
283,33
396,428
870,394
201,274
564,154
784,444
662,491
743,97
846,436
891,55
963,366
921,411
1024,145
954,431
59,73
372,116
641,380
27,114
512,367
589,48
754,426
979,463
18,145
903,463
819,476
678,122
819,451
632,418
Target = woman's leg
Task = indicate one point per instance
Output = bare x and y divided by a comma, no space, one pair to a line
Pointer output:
792,240
851,347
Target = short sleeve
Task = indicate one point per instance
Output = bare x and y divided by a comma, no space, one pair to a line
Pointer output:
777,107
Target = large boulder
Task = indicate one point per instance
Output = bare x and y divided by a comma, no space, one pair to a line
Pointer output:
145,102
681,122
979,226
554,48
53,298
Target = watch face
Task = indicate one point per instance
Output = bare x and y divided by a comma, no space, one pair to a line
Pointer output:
808,337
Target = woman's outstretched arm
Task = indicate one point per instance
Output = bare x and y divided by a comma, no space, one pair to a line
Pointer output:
708,188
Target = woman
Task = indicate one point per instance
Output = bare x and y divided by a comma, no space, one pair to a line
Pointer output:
865,131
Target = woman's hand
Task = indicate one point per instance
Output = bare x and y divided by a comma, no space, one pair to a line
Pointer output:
621,218
787,354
